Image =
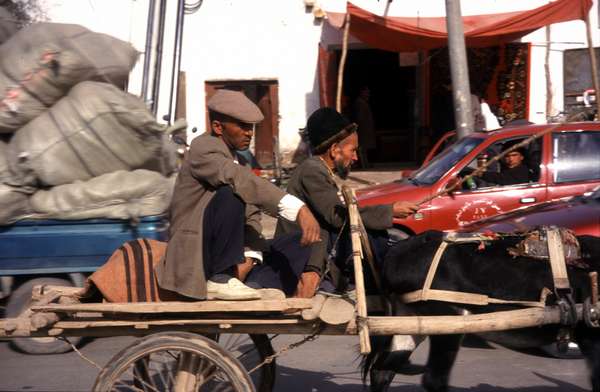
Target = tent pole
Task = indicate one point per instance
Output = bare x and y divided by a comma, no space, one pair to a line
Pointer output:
459,69
593,63
340,79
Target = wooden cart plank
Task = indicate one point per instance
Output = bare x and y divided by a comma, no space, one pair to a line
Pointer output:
301,328
286,305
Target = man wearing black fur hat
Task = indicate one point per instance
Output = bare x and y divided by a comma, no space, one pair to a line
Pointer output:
514,170
316,181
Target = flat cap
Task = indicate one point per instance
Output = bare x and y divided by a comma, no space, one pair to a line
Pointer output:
236,105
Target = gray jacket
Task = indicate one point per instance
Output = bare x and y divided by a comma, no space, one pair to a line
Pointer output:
208,165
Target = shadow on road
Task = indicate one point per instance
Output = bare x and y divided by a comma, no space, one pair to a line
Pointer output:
288,380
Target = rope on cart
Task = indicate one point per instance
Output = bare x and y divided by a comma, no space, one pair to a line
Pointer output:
64,339
291,346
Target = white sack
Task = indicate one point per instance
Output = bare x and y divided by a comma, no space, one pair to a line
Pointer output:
3,158
118,195
14,204
41,62
8,25
94,130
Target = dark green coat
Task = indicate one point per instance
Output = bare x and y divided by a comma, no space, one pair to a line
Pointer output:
312,183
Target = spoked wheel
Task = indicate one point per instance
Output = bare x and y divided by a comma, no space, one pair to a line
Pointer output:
174,362
251,351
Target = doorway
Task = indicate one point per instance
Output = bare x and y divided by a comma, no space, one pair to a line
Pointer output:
264,93
392,101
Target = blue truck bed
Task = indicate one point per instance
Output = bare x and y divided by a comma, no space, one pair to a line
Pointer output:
58,247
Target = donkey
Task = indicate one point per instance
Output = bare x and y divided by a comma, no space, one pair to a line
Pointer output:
468,268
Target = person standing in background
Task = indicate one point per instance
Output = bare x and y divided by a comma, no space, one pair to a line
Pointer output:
363,117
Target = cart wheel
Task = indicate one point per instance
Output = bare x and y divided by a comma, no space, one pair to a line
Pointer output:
251,350
19,301
173,362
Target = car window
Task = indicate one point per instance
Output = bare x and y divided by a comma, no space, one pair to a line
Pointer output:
575,156
443,162
497,173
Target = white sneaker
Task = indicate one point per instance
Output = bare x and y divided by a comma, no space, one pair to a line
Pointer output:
233,290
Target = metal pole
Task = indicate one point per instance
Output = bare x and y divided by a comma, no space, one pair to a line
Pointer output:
148,48
593,64
159,53
176,58
459,69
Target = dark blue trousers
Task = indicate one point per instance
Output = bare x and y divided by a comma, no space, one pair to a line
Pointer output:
223,232
223,246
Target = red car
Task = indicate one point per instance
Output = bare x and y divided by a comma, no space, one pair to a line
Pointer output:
580,214
562,163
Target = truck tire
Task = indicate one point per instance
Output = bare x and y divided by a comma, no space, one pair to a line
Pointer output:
19,301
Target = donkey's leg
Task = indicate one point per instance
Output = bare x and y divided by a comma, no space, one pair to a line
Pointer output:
372,366
588,340
442,354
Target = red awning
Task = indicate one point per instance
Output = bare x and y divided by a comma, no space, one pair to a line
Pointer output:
409,33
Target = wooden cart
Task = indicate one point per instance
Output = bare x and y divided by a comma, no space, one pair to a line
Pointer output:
179,352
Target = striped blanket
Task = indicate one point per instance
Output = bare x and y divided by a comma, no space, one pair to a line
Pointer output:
128,275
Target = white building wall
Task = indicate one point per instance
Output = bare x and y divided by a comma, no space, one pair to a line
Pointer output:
259,39
564,36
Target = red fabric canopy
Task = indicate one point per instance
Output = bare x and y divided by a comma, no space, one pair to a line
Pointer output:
402,34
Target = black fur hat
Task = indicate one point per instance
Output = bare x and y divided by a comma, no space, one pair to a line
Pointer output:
325,127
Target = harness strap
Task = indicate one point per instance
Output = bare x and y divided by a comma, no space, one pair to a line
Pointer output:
427,293
469,298
556,255
432,269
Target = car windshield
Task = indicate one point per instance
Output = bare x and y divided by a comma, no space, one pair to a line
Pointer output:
437,167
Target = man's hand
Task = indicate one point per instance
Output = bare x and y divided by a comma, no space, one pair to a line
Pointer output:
402,209
311,231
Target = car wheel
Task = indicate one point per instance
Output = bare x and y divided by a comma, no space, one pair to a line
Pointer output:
18,302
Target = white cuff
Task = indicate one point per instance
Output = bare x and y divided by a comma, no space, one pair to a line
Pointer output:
254,254
289,206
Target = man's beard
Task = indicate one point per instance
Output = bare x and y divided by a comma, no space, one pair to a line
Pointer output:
341,170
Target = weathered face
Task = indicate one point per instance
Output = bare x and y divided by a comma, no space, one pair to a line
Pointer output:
237,135
513,159
344,154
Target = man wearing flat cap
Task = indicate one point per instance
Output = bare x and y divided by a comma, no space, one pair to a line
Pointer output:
214,235
317,181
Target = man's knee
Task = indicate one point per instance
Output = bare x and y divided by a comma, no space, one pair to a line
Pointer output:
227,201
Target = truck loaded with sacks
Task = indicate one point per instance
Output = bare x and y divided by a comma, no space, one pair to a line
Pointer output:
84,166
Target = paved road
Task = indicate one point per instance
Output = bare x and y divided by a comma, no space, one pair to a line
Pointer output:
328,364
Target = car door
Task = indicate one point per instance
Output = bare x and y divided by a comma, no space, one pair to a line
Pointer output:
451,212
575,163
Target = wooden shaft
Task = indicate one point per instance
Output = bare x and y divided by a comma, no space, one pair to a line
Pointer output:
340,79
593,64
472,323
361,299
